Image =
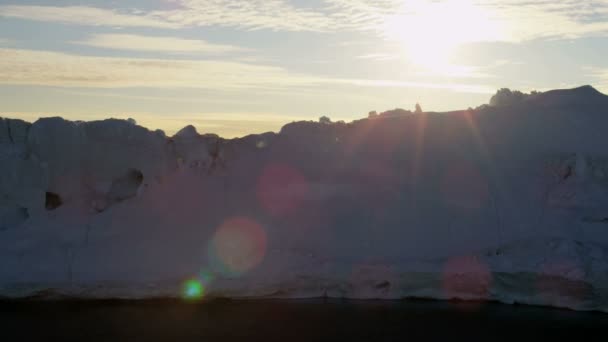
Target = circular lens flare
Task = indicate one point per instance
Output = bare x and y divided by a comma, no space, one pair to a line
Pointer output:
281,189
561,283
466,277
238,246
193,290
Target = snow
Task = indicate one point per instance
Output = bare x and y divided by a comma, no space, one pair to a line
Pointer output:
506,203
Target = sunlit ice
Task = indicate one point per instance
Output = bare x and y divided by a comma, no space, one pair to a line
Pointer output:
427,32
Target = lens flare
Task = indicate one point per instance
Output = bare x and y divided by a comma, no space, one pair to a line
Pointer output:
261,144
193,290
239,245
466,277
561,282
281,189
206,278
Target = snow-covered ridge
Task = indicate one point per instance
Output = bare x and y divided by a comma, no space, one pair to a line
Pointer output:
505,202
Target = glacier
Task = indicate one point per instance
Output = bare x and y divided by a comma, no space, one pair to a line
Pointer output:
505,202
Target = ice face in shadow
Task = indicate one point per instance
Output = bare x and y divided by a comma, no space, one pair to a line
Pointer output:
505,202
11,217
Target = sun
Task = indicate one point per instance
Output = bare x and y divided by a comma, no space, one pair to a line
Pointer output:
429,31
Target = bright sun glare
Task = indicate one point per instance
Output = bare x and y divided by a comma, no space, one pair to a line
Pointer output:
429,31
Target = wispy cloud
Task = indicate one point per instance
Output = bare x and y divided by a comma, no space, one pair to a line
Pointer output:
380,57
62,69
96,93
249,14
157,44
457,87
526,20
518,20
30,67
84,15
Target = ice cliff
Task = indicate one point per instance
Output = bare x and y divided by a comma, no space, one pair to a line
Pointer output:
507,202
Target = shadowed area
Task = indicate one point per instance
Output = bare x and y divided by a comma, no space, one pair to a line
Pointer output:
308,320
504,202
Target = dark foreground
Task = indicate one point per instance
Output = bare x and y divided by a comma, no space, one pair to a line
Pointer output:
309,320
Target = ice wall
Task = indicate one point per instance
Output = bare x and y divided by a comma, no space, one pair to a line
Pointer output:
507,203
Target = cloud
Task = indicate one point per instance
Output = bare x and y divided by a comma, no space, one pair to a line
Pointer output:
380,57
279,15
457,87
565,19
159,44
67,70
30,67
83,15
517,20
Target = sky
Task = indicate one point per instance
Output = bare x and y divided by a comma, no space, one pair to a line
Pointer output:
235,67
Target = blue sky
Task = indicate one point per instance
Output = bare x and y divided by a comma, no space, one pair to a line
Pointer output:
235,67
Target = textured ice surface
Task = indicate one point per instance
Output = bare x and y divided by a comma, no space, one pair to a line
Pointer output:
507,203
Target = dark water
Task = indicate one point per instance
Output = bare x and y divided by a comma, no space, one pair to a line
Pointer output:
310,320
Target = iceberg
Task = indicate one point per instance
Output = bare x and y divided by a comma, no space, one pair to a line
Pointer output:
504,202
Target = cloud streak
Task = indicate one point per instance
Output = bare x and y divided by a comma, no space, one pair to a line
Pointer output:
379,57
569,19
457,87
30,67
278,15
84,15
133,42
67,70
